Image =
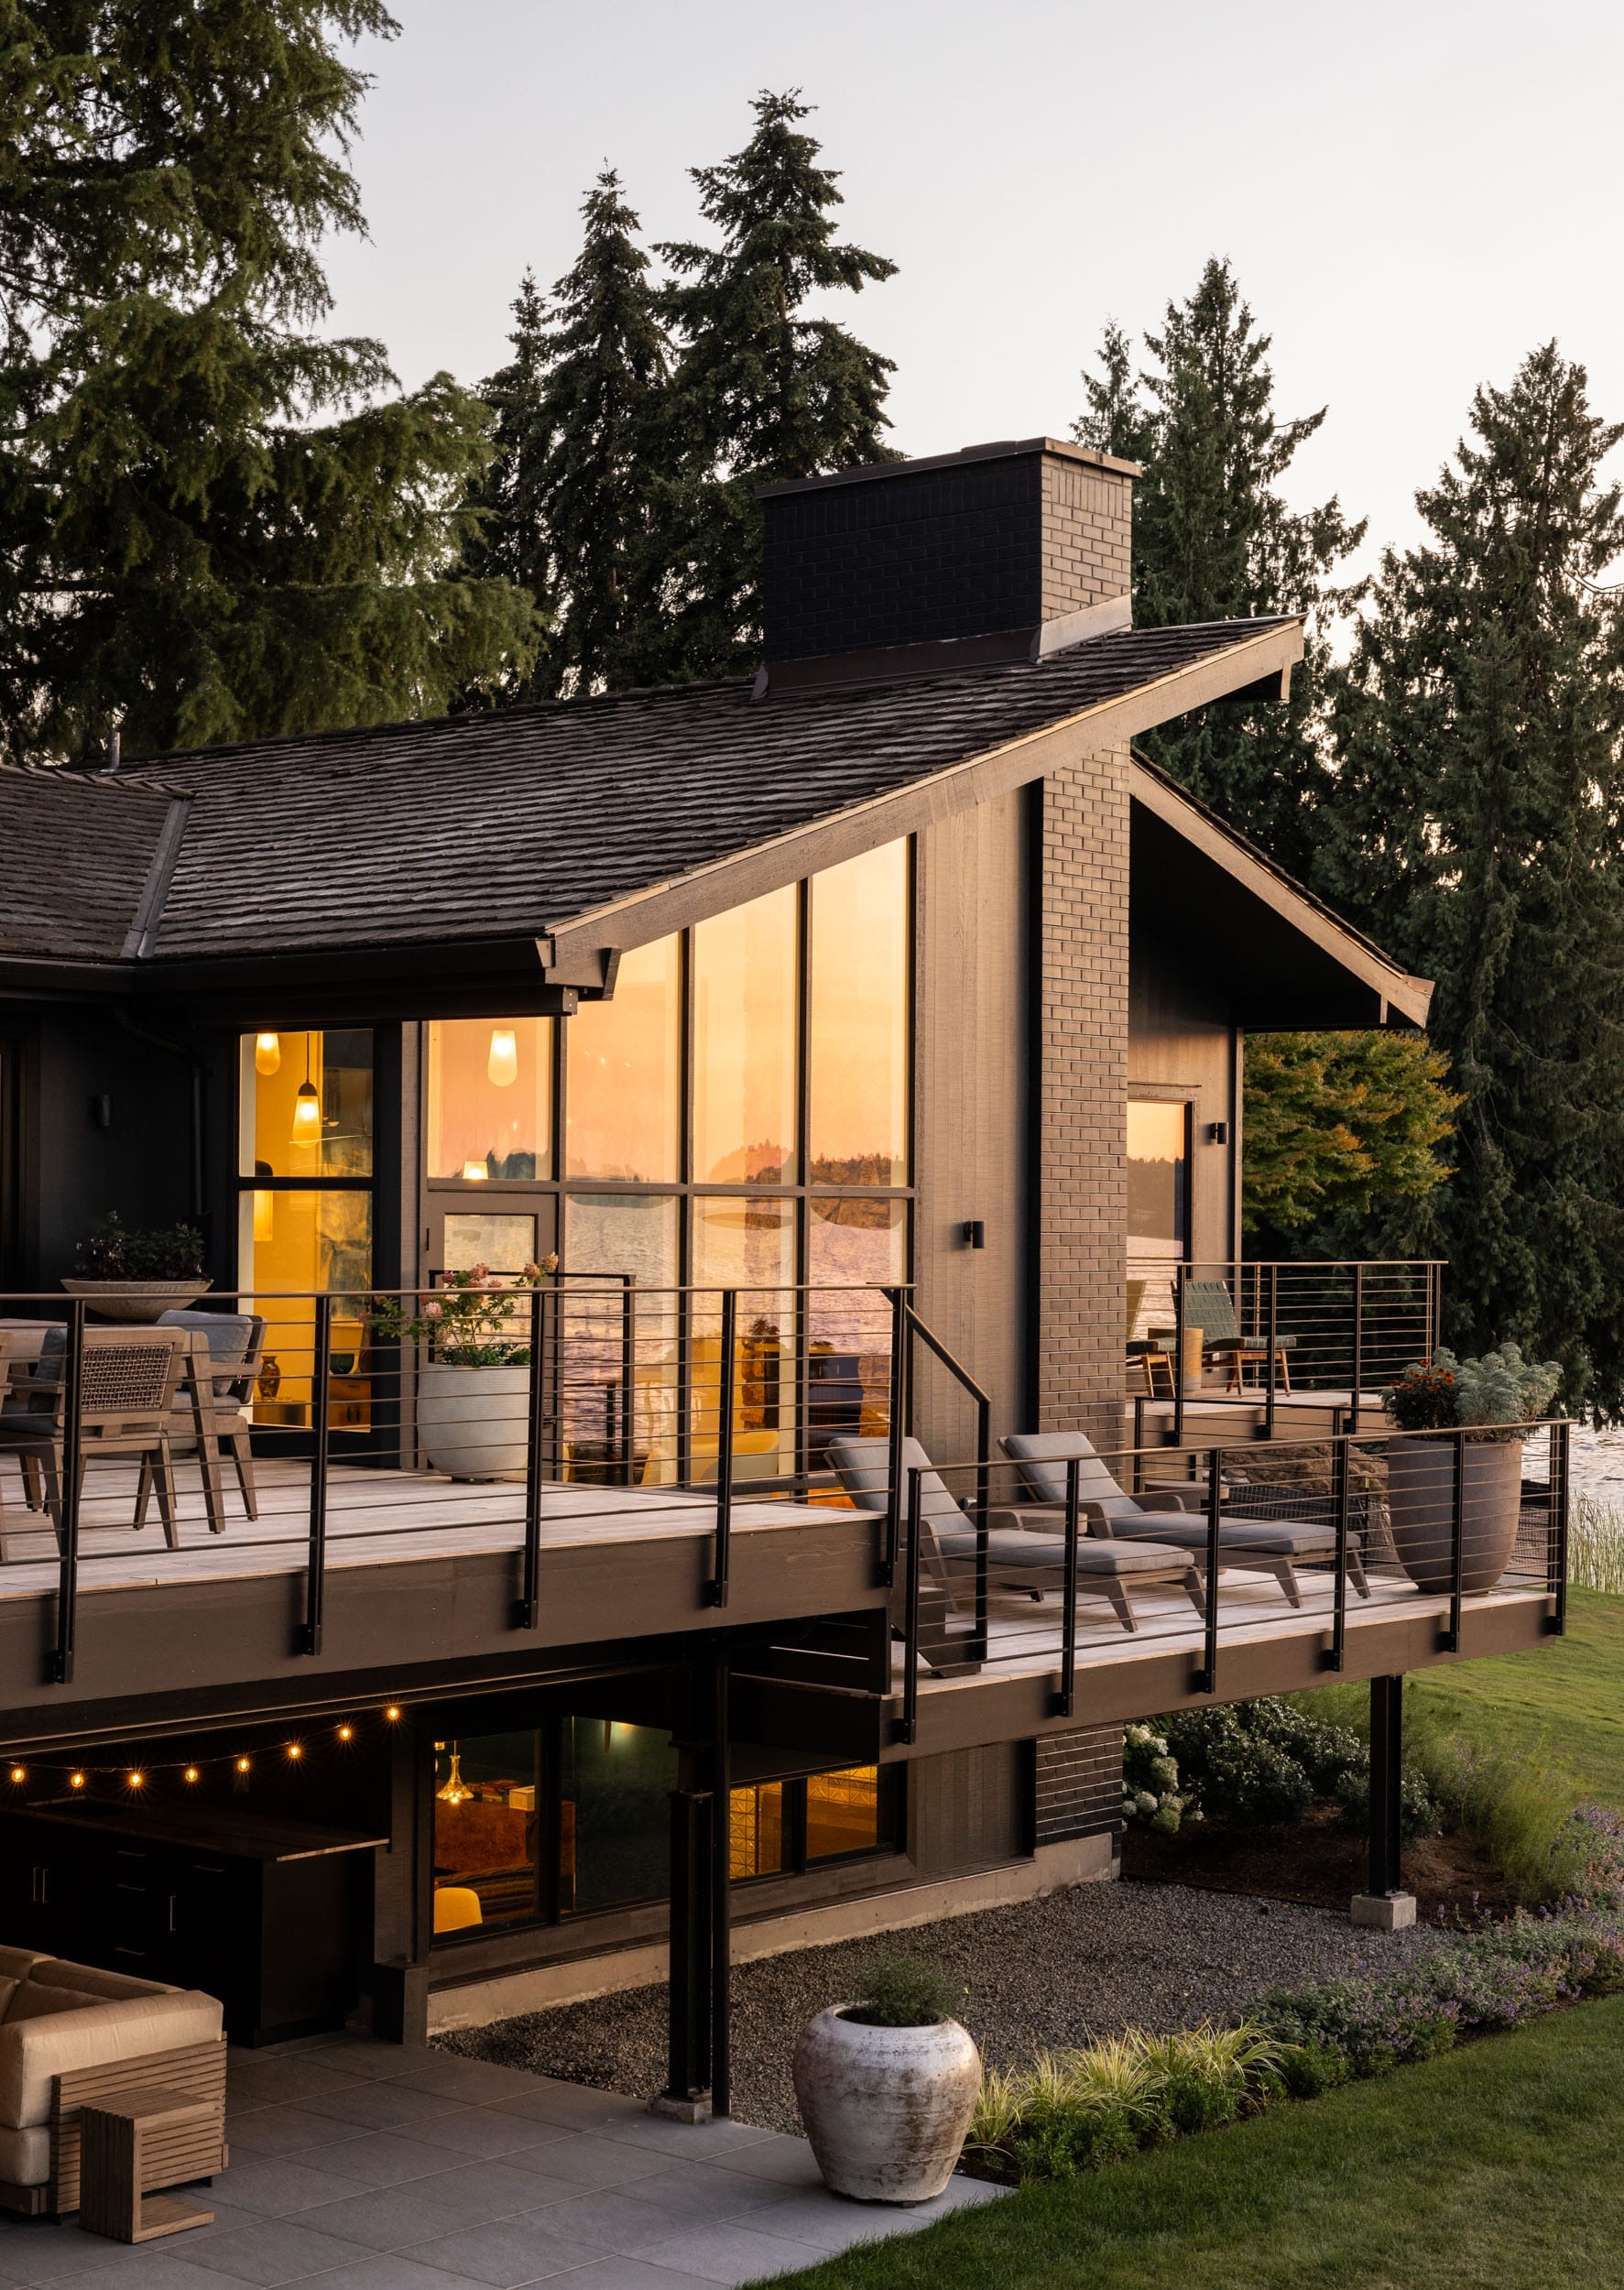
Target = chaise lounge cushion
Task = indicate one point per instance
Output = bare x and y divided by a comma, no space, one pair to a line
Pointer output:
34,2051
31,2002
17,1963
90,1979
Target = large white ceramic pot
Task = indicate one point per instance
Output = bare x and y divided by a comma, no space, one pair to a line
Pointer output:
886,2108
1421,1504
472,1421
136,1303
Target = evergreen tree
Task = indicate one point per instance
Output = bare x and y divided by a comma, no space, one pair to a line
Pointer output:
1214,539
761,391
216,524
569,495
1476,823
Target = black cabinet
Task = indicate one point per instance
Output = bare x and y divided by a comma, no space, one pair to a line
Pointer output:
271,1916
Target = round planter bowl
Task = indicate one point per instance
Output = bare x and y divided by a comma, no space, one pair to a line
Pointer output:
473,1422
1421,1503
136,1303
886,2110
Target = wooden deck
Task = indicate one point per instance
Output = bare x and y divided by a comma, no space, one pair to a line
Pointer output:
373,1516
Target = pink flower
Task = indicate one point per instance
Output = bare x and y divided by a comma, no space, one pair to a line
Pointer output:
432,1309
548,1263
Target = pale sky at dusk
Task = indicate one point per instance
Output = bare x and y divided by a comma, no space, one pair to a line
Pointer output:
1412,195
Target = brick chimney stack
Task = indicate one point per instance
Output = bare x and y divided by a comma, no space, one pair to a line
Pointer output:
1000,552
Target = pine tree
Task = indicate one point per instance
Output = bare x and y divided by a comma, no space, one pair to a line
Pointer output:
1477,823
761,391
217,523
1214,539
569,493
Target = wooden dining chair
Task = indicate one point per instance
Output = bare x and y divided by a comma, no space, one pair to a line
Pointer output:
128,1382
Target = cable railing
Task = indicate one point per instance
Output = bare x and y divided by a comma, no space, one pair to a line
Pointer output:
1060,1565
1270,1336
307,1431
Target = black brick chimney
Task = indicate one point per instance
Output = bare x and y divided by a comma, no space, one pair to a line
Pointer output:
910,568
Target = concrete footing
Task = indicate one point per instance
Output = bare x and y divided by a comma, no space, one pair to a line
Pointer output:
675,2111
1383,1912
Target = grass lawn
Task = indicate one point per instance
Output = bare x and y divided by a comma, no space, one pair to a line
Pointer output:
1496,2166
1563,1698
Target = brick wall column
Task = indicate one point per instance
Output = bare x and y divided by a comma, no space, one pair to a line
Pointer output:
1082,1222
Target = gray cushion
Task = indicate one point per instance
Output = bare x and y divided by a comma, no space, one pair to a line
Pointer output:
231,1337
1010,1551
1043,1456
1279,1538
863,1469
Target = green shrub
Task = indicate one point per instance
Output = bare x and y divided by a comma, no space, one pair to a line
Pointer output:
1260,1762
1065,2139
901,1991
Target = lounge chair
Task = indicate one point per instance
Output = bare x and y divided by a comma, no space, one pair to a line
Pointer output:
1274,1546
1209,1306
1018,1559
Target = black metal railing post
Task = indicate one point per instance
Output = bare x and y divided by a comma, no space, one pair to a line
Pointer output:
721,1894
1456,1539
315,1582
1273,1348
629,1378
1178,1355
1066,1700
916,1479
1559,1464
1358,1345
1206,1679
1387,1785
895,1426
725,1447
529,1596
1139,1444
983,1502
1341,1462
61,1661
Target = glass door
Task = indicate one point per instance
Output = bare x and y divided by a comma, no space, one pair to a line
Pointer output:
1158,1209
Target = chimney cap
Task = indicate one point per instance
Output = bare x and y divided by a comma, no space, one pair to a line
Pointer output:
1006,448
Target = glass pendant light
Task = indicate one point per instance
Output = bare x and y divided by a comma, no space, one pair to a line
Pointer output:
455,1790
267,1053
502,1065
307,1107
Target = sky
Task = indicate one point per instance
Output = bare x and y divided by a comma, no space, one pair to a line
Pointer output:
1412,195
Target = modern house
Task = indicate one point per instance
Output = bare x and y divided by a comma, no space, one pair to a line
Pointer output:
866,1041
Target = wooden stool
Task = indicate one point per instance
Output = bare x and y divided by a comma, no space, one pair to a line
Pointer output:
130,2141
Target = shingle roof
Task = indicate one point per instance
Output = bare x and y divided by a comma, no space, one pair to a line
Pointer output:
481,827
80,858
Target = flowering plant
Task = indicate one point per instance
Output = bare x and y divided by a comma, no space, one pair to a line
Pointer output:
1487,1396
470,1321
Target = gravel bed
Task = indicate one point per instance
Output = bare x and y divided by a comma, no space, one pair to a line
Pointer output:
1050,1972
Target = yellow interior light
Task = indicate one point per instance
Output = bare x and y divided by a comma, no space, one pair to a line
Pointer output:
502,1064
475,1173
268,1054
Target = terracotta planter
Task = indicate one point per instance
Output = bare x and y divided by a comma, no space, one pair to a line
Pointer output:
472,1421
136,1303
886,2108
1421,1498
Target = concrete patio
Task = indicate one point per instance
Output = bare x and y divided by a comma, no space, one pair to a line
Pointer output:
366,2167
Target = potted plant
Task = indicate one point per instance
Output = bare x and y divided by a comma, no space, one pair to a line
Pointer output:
474,1393
1489,1401
135,1276
887,2085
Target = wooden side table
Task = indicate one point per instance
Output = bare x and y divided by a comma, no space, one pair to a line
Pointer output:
139,2139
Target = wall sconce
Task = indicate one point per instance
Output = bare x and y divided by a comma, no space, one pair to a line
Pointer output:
502,1065
268,1054
975,1233
101,1112
1217,1132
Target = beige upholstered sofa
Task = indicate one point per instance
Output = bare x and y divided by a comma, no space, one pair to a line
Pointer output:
68,2033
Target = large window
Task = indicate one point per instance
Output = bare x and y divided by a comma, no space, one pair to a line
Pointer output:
736,1115
783,1827
305,1172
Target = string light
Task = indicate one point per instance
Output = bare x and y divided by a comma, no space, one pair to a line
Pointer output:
148,1777
136,1777
295,1751
19,1775
346,1733
242,1765
392,1712
76,1781
191,1772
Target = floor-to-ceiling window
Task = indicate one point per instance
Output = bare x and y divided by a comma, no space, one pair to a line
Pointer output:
736,1116
1158,1207
304,1196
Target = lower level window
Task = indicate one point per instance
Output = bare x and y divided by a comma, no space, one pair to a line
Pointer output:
781,1828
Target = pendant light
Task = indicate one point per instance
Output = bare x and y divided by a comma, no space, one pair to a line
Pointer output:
455,1790
502,1064
267,1053
307,1107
